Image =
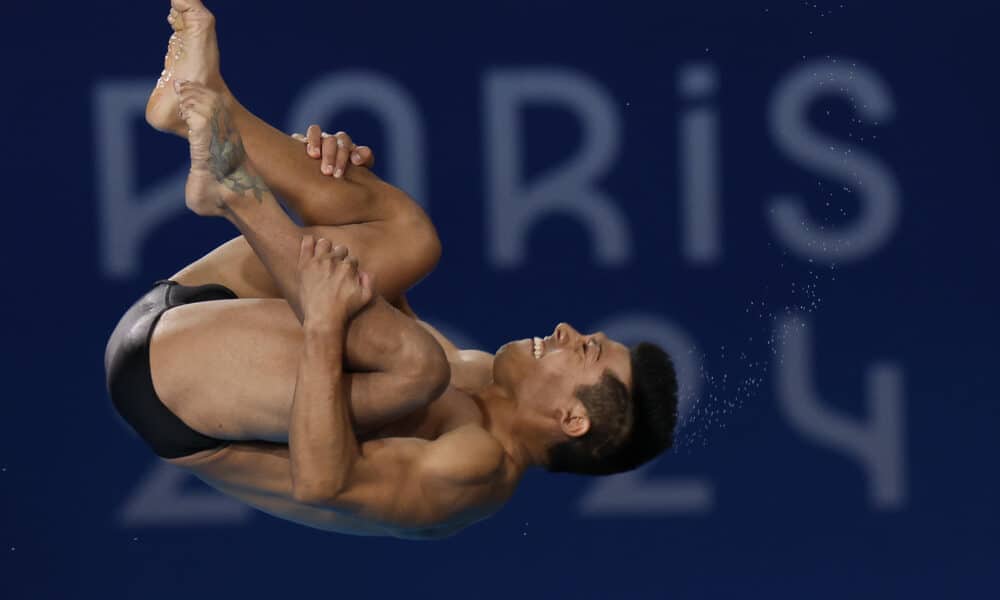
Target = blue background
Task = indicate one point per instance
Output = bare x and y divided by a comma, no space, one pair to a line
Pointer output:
786,516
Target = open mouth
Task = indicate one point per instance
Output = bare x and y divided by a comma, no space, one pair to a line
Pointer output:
538,347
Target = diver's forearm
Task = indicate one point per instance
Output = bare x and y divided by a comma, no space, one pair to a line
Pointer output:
322,443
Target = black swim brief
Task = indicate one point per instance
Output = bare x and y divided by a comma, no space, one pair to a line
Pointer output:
130,380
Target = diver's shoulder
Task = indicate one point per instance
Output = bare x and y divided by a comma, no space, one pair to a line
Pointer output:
469,453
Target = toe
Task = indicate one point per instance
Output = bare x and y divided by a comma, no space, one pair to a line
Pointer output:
323,246
194,8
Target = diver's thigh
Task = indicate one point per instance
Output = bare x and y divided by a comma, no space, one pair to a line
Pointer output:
227,368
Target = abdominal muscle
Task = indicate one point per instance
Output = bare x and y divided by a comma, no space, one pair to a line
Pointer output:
259,473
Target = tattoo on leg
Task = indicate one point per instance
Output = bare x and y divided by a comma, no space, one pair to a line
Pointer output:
228,161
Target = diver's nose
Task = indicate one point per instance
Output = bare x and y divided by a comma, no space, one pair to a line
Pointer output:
564,332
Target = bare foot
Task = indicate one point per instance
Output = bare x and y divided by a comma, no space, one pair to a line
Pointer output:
220,177
192,55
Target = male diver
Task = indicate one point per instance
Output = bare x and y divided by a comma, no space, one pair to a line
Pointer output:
286,369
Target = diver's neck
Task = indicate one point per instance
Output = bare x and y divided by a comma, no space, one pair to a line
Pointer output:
503,421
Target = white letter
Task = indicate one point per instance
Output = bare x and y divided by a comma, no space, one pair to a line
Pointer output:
160,499
877,445
127,217
877,189
698,155
515,205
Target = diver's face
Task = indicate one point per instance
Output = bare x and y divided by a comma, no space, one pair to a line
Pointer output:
545,372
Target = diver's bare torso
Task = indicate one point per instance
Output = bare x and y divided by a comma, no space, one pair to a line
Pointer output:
259,473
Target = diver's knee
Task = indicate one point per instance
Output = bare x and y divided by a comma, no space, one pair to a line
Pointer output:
423,245
438,371
429,372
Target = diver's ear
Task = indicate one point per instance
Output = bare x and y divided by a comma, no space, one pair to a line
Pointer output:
575,422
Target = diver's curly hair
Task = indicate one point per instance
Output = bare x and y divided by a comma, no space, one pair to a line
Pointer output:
625,430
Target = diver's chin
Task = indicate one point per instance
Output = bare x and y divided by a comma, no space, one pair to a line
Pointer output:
510,360
513,347
503,349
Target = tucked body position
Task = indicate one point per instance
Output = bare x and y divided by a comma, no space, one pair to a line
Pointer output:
286,368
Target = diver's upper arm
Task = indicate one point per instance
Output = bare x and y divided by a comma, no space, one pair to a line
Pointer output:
412,481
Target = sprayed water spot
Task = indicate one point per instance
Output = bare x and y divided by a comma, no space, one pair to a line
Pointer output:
733,376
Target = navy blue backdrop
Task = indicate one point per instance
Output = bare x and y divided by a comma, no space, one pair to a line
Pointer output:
795,198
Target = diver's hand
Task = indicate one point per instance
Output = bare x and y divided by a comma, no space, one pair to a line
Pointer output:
331,288
335,151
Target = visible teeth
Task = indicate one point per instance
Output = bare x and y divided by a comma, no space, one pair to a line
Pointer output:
537,347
